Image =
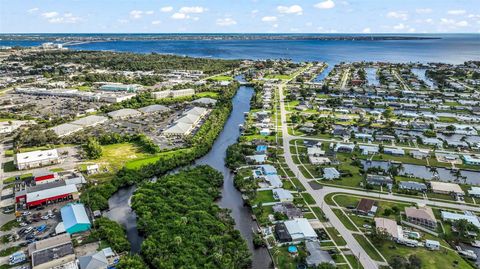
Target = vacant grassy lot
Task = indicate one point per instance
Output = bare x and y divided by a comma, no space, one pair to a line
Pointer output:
221,78
116,156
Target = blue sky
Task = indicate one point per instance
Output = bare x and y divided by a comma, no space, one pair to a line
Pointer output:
217,16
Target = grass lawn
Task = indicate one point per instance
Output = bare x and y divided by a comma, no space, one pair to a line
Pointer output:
368,247
9,167
263,197
282,259
57,170
150,159
430,259
9,251
221,78
9,225
354,262
262,214
319,213
343,218
116,156
308,198
278,76
335,236
207,94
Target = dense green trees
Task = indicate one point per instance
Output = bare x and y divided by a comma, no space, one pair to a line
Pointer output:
111,232
236,155
127,61
92,149
131,262
184,227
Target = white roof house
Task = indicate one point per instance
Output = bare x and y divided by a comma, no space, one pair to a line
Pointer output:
472,218
300,229
274,181
282,195
205,101
330,173
446,188
474,191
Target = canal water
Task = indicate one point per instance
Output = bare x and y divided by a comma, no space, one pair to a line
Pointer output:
119,203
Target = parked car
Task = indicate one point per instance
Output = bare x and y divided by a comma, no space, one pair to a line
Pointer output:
44,217
26,213
23,224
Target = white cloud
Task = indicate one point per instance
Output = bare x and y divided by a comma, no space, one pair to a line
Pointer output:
453,23
136,14
397,15
325,4
55,17
255,11
187,10
308,24
295,9
226,22
149,12
156,22
366,30
33,10
50,14
400,26
456,12
269,18
423,10
166,9
179,16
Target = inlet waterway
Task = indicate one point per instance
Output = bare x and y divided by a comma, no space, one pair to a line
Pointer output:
119,204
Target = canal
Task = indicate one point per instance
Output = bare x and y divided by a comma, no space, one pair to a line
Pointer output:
119,203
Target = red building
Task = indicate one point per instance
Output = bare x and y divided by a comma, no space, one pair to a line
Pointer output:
45,176
47,193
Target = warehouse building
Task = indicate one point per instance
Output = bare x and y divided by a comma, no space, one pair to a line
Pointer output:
186,124
173,94
77,125
34,159
124,113
53,252
154,109
75,218
45,176
120,87
47,193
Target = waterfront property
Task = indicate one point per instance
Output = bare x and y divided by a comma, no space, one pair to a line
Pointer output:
423,216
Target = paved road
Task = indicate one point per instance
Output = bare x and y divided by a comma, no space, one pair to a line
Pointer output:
354,246
319,195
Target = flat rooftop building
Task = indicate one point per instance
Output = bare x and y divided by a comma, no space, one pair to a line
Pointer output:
446,188
53,252
34,159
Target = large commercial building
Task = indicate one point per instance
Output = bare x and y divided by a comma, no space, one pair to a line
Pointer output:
186,124
53,252
77,125
173,94
34,159
47,193
75,218
120,87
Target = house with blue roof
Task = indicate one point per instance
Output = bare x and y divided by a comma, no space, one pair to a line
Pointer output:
75,218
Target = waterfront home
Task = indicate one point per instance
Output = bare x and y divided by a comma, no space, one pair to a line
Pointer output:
394,151
281,233
366,207
471,159
268,169
289,209
274,181
412,186
258,158
265,132
330,173
379,180
346,148
446,188
300,229
469,216
423,216
367,150
317,256
420,154
282,195
474,192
